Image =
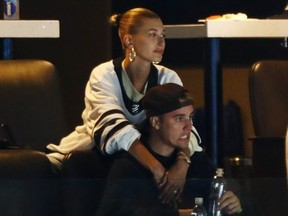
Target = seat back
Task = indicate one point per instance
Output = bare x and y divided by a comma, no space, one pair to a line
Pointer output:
31,102
84,173
268,83
28,185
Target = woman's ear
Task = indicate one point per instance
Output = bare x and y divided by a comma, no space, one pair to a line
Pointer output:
154,121
127,39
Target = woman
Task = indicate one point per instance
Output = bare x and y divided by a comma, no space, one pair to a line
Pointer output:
113,100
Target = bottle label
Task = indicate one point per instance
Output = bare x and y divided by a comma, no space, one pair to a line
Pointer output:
11,9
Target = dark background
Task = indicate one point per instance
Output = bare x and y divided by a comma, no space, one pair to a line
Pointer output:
87,40
235,51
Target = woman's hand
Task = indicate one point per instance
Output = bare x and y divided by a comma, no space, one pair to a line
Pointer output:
230,203
176,176
171,182
141,153
160,176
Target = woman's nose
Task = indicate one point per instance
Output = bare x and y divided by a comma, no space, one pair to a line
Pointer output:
161,40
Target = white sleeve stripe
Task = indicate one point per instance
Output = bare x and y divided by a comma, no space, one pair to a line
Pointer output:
104,115
98,133
112,132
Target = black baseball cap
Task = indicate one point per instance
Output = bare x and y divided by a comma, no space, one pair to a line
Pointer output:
165,98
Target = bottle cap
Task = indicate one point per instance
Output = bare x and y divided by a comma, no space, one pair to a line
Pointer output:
198,200
220,171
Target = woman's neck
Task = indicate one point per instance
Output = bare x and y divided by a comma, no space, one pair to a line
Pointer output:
137,73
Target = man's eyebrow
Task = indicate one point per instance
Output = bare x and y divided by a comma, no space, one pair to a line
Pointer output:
179,114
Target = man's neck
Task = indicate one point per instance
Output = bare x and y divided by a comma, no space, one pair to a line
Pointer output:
160,147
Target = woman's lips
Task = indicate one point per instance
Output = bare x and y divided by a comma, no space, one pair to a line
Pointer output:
160,52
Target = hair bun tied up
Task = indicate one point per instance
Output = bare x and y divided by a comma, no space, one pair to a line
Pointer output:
115,19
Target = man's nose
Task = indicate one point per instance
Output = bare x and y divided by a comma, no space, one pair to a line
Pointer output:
189,123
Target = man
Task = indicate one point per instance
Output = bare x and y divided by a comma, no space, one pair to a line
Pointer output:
165,133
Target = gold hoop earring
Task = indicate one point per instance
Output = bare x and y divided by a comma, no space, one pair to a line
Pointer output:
132,54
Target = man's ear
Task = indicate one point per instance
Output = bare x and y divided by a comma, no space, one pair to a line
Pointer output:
127,39
154,121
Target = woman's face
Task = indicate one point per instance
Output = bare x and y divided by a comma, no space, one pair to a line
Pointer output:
149,41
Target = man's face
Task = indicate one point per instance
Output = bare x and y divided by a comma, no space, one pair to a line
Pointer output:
175,127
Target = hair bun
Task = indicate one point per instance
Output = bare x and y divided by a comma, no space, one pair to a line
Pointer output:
115,19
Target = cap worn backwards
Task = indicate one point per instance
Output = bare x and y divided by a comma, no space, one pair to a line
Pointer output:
165,98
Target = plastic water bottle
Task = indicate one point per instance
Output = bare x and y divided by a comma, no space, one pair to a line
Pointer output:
11,9
199,209
218,187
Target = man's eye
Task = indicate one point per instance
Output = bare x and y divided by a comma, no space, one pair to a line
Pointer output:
179,119
183,118
152,35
